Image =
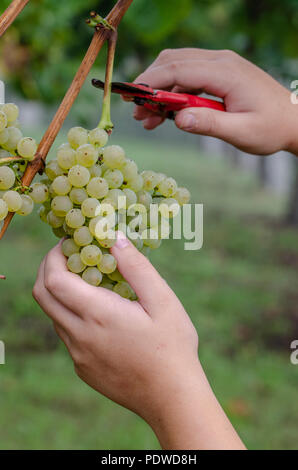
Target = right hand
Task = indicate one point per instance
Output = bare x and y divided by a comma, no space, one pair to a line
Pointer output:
260,117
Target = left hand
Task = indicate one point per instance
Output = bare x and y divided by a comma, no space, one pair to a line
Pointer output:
132,352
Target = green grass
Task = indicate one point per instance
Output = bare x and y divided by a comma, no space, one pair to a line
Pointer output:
240,291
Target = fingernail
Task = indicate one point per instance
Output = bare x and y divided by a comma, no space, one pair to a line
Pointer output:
187,122
122,241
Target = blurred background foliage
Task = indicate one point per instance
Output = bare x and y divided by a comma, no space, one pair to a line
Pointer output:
240,289
43,48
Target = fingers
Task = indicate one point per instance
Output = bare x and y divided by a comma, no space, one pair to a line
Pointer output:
74,293
214,77
231,127
153,292
172,55
57,312
150,120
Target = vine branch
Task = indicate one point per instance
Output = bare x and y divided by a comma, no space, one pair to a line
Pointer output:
10,14
114,18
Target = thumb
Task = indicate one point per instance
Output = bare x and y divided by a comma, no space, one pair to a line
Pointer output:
224,125
152,290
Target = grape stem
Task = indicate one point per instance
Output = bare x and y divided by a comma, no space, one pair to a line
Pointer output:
9,160
105,121
10,14
114,18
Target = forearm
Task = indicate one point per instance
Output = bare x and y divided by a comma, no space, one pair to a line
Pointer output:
191,418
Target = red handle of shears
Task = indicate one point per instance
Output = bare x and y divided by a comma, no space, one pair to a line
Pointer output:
171,102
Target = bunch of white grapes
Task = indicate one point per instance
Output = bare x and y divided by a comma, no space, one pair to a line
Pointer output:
80,194
13,198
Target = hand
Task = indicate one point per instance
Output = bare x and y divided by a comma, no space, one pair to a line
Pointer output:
260,117
142,355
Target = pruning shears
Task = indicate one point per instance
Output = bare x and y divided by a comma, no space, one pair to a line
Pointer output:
162,102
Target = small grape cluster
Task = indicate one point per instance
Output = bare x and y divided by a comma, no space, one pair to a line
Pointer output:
85,183
15,152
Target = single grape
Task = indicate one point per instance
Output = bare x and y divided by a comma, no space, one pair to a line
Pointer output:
107,242
108,206
107,264
74,218
131,197
78,176
135,184
113,196
53,170
11,110
116,276
59,232
144,198
61,185
129,170
39,193
123,288
107,284
91,255
54,220
169,208
69,247
97,187
27,205
150,180
95,170
150,238
14,136
90,207
43,213
61,205
161,177
114,156
167,187
15,123
66,157
7,177
3,121
13,201
87,155
3,209
98,137
75,264
92,276
82,236
182,195
92,224
4,135
77,136
114,178
68,230
27,148
78,195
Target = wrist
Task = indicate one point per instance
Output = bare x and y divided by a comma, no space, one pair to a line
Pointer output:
179,389
189,416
